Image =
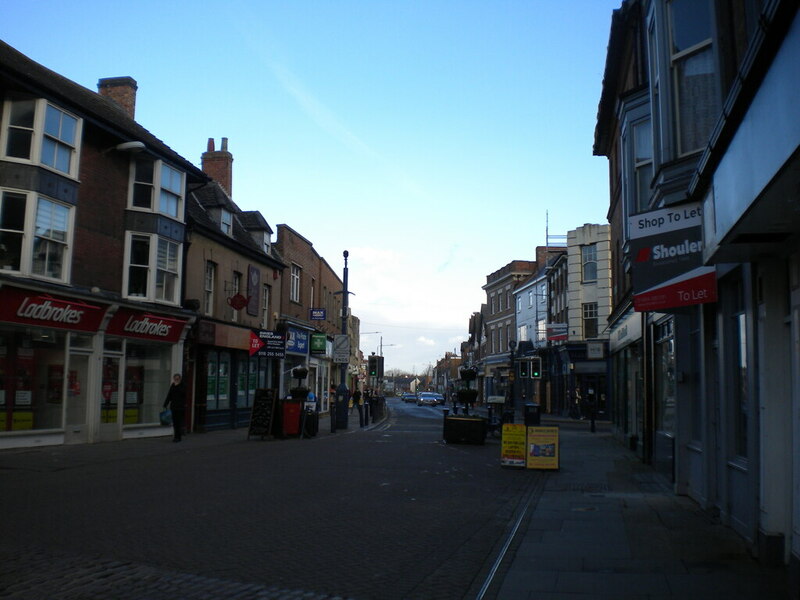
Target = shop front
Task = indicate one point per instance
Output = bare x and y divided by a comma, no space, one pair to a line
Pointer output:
627,386
77,371
232,363
297,355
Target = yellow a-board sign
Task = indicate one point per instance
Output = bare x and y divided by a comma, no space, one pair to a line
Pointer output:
513,445
541,448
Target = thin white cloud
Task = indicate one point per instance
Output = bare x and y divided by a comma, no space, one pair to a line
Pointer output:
425,341
318,112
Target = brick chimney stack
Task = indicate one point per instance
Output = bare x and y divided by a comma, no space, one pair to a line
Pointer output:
218,164
122,90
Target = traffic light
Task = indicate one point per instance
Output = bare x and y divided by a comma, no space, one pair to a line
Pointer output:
373,365
523,368
536,367
380,366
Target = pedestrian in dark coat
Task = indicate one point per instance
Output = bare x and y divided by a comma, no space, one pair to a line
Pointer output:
358,402
176,401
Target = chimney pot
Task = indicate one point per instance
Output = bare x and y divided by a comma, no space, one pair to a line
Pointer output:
218,164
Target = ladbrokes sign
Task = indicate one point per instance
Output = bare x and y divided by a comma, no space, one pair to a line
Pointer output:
139,324
667,250
45,310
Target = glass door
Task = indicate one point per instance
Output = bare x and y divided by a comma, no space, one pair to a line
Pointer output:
110,409
76,428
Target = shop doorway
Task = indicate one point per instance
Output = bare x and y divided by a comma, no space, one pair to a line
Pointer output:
75,425
110,410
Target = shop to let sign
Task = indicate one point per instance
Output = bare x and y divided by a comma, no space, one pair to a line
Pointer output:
667,251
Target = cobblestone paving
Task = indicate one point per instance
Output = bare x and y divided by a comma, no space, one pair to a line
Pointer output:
38,575
390,513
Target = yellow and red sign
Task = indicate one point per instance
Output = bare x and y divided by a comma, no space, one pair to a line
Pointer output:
513,445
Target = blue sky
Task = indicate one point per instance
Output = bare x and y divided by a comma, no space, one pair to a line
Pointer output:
428,138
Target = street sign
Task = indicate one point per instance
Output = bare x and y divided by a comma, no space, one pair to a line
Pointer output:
341,349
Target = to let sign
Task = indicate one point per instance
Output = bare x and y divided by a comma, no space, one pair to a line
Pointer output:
667,251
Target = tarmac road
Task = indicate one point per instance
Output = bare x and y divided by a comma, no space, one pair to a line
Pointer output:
385,512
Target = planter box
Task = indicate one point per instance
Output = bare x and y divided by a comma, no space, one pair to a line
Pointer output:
464,430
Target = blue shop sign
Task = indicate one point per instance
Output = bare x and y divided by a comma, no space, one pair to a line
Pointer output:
296,340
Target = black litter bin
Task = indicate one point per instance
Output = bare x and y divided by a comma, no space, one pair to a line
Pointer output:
310,423
532,414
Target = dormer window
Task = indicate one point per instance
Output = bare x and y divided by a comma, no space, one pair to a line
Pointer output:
266,244
226,222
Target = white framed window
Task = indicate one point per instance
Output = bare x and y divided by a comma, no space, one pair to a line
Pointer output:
226,221
147,176
236,286
266,244
294,289
589,262
519,304
153,268
642,163
35,235
530,298
36,131
266,292
208,287
694,73
589,310
50,239
493,300
313,291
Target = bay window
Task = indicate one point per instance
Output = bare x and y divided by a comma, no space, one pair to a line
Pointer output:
35,131
149,176
153,268
694,73
35,235
50,239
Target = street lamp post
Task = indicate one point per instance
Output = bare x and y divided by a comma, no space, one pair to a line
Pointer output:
341,391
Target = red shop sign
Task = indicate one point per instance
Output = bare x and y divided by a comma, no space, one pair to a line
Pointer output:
44,310
138,324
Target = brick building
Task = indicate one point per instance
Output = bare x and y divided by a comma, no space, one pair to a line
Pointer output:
92,242
310,316
234,282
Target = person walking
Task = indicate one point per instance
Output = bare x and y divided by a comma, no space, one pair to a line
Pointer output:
176,402
358,402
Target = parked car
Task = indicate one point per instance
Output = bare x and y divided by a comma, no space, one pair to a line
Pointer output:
426,399
408,397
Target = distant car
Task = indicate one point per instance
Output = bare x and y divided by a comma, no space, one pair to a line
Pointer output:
439,398
408,397
426,399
